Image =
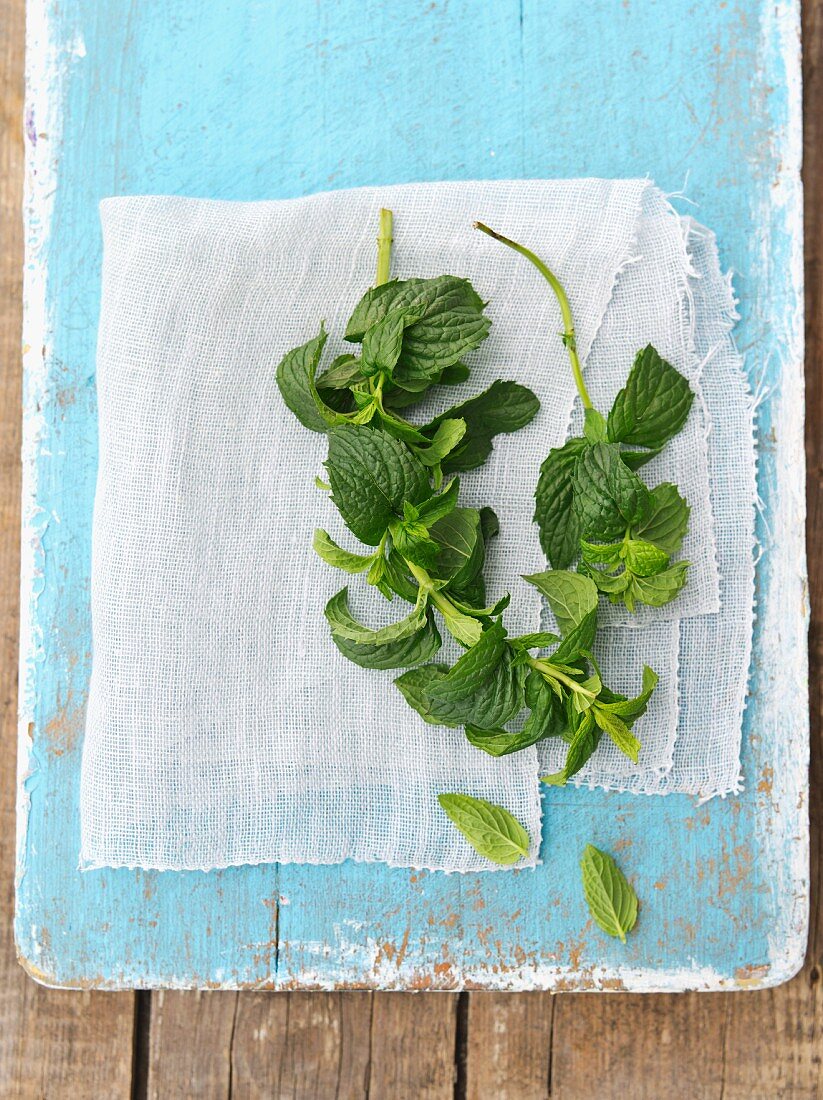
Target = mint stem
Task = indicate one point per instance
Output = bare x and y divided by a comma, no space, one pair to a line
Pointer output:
384,243
568,336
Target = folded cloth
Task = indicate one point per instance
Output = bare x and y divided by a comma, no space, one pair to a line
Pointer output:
223,725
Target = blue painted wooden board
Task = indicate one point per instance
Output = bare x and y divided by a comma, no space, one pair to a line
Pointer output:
252,100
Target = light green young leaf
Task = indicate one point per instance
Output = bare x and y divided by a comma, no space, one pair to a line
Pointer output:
644,559
325,546
345,626
610,897
632,709
571,596
594,426
445,439
402,653
661,588
618,731
491,830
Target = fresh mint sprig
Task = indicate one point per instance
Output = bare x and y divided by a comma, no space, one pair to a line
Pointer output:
590,503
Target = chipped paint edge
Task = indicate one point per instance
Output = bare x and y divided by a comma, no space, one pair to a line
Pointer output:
42,133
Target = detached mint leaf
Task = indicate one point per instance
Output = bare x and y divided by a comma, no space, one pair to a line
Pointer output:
611,899
503,407
491,830
554,511
295,380
653,405
325,546
668,519
608,496
371,475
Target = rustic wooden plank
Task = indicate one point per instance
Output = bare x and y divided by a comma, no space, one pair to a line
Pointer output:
413,1040
190,1044
52,1044
509,1045
298,1046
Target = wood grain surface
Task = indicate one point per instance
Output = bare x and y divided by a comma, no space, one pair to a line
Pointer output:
520,1046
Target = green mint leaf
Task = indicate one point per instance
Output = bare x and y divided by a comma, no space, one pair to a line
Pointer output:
371,474
608,497
461,552
644,559
403,653
343,373
482,689
413,686
545,720
412,542
503,407
325,546
572,596
436,507
450,323
616,728
346,627
610,897
601,553
661,588
465,628
654,404
582,746
445,439
594,426
554,511
383,342
635,459
491,830
454,375
541,639
320,484
632,709
399,428
397,576
610,585
668,519
489,524
295,380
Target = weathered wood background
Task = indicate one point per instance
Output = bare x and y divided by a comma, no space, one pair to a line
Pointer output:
55,1044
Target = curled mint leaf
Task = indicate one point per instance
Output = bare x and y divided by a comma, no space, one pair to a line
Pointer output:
504,407
325,546
346,627
491,830
295,380
610,897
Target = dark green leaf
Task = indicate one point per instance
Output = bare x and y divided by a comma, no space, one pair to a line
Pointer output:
608,497
371,474
295,380
668,519
503,407
343,373
582,746
383,342
491,830
414,685
654,404
482,689
461,548
554,511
